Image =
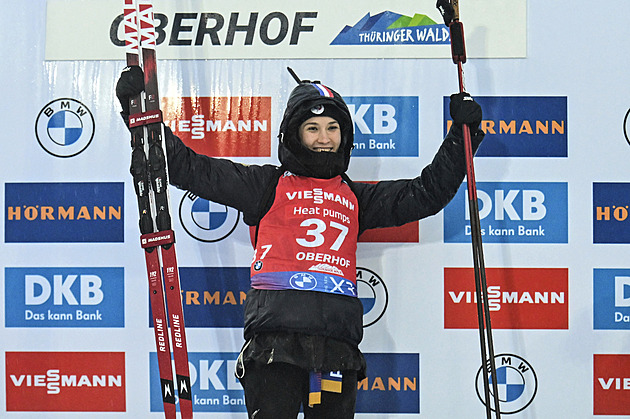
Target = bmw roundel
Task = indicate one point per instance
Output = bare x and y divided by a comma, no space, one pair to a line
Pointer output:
64,127
205,220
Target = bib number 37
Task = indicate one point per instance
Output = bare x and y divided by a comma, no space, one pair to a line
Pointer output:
315,233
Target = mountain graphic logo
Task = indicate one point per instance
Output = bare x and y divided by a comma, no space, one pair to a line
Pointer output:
390,28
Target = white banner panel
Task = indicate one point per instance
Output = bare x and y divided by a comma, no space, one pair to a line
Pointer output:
203,29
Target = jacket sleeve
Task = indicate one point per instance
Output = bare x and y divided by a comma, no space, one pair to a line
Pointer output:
397,202
219,180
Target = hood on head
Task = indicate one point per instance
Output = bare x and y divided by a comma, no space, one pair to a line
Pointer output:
310,99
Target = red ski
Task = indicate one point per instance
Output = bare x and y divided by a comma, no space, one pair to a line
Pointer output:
149,172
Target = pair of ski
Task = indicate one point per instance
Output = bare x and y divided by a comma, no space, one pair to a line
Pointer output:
149,172
450,12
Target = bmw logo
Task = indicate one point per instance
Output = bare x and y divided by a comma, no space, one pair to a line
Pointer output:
373,295
205,220
64,127
303,281
516,383
626,129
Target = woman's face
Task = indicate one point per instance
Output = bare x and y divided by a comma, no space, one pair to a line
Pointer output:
321,134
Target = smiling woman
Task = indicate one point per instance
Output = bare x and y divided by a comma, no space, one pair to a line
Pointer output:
320,133
303,318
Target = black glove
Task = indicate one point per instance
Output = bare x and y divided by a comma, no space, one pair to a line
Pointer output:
130,83
446,10
464,110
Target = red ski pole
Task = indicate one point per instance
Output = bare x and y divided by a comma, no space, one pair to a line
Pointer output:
450,12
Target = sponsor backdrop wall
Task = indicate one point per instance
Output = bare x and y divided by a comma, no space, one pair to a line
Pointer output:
552,178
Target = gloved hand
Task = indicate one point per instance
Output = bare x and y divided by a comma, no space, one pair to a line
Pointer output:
130,83
464,110
446,10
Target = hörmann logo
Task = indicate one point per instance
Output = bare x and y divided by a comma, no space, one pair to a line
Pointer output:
611,384
392,384
64,297
64,212
384,126
512,212
65,381
611,223
518,298
521,126
611,299
214,296
221,126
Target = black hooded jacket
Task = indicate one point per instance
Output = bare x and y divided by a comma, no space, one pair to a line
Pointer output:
383,204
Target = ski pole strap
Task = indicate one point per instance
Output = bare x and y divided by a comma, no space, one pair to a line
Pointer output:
449,9
323,381
458,48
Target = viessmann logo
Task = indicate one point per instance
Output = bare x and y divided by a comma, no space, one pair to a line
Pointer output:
221,126
65,381
611,386
518,298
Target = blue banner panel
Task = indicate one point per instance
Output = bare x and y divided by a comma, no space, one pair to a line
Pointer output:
214,386
611,299
64,212
521,126
511,212
610,213
384,126
214,297
392,384
64,297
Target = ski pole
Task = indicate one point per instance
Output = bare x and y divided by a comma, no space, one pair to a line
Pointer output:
450,13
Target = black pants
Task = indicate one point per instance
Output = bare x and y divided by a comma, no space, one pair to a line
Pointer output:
277,390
